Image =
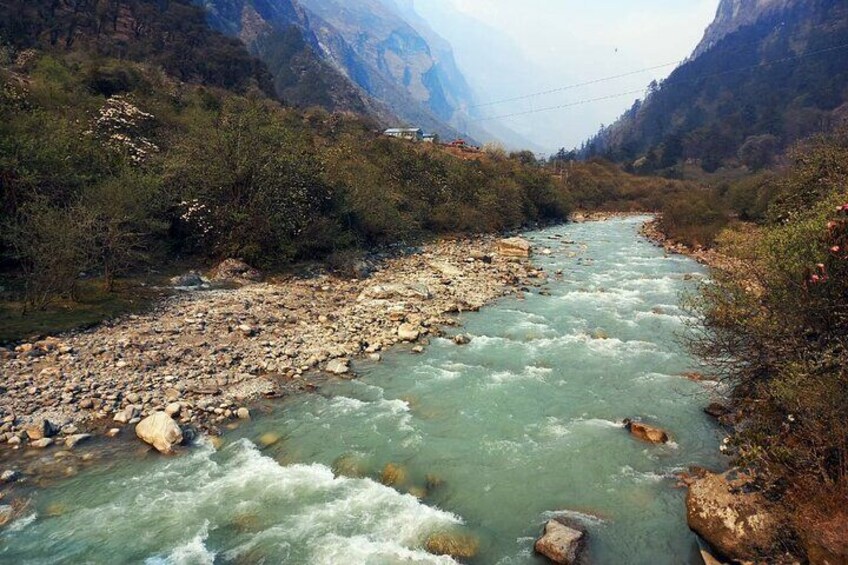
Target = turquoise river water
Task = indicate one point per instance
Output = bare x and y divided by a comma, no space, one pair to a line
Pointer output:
519,426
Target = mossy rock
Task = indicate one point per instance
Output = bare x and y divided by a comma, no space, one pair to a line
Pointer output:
417,492
246,523
433,481
268,439
393,475
454,544
350,465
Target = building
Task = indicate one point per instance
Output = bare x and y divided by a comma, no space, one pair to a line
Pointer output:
410,134
431,138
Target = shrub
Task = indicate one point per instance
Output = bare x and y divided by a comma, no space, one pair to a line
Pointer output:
694,218
52,245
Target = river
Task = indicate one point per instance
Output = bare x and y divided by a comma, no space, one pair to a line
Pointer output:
493,438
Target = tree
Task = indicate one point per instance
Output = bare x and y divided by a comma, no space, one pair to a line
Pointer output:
758,151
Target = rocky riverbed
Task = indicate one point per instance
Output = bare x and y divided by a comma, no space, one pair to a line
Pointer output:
202,356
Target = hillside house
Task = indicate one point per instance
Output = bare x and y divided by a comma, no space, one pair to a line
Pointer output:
410,134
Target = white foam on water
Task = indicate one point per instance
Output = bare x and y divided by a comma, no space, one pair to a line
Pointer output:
361,549
22,522
193,552
529,373
628,472
596,423
581,517
612,297
655,377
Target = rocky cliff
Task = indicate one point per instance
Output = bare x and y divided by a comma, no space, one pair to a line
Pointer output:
358,55
734,14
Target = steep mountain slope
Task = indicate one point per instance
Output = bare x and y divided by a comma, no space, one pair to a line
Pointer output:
754,92
733,14
358,55
173,35
279,33
379,50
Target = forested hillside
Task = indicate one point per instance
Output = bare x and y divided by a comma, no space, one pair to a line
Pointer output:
744,100
121,150
172,34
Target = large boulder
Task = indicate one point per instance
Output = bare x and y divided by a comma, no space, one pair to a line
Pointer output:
408,332
40,430
396,291
514,247
560,542
235,271
338,366
160,431
189,280
731,516
645,432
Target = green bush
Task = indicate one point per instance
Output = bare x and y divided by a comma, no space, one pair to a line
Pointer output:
694,218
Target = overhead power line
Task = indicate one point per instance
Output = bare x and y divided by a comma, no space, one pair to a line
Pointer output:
578,85
665,84
595,81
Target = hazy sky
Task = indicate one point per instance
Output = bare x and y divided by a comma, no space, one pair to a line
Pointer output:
510,48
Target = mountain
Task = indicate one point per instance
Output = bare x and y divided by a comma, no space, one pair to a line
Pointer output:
379,49
358,55
172,35
733,14
767,74
279,32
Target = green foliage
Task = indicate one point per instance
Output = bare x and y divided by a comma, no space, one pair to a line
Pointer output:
109,166
602,185
249,185
694,218
757,91
779,332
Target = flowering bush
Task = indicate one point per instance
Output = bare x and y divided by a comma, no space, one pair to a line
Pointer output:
122,126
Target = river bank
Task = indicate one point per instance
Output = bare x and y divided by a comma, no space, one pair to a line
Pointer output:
484,442
206,354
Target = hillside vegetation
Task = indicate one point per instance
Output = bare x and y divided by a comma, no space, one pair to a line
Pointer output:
776,331
744,100
110,166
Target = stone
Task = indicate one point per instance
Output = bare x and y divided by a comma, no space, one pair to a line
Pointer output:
462,339
350,465
42,443
338,366
453,544
645,432
73,440
188,280
408,332
268,439
446,269
7,513
560,542
160,431
41,430
514,247
397,290
716,410
480,256
9,476
418,349
393,475
243,414
173,409
113,432
235,271
731,516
